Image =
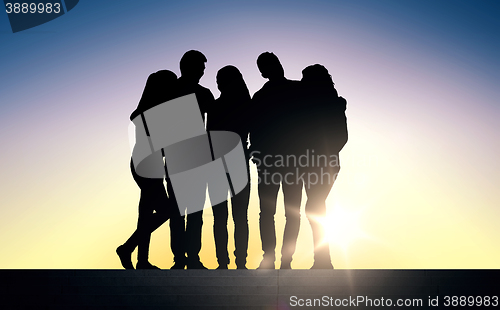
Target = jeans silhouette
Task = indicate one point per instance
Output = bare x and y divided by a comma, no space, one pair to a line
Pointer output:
268,193
316,208
239,206
186,238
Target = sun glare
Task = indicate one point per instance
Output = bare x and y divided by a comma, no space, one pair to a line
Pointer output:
342,227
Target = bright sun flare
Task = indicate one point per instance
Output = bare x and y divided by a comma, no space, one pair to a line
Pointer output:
342,227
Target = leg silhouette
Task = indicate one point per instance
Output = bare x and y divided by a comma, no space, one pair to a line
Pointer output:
316,208
178,241
153,198
193,240
292,194
220,234
268,194
239,205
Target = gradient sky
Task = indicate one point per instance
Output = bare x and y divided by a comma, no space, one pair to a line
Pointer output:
420,174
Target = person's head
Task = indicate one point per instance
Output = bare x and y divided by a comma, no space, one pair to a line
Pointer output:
316,74
270,67
160,87
231,82
192,65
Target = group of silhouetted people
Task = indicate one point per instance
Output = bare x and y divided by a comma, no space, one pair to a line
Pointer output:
283,121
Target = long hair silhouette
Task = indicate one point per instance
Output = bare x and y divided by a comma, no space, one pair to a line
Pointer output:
159,88
326,120
231,83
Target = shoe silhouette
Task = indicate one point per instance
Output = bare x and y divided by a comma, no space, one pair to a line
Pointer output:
196,265
322,265
266,263
145,265
125,257
178,265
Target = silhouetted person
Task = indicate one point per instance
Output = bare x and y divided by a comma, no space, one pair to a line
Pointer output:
229,113
159,88
324,127
270,135
185,238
